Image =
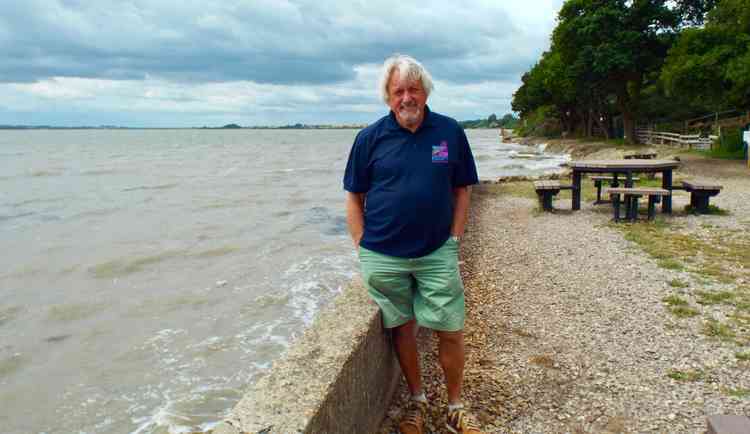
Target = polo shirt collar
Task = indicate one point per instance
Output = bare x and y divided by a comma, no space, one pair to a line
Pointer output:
428,121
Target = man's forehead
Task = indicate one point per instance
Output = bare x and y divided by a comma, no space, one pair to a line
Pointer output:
396,81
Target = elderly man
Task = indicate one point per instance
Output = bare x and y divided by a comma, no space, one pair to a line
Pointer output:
407,183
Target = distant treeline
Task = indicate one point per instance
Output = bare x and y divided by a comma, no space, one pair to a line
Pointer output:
508,121
614,63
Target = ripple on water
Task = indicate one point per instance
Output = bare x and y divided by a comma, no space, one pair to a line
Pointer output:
74,311
12,363
152,187
124,266
9,313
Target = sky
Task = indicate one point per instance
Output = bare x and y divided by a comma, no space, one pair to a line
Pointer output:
183,63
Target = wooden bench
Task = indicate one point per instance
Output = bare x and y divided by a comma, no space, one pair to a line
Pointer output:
546,190
699,194
631,201
598,179
640,156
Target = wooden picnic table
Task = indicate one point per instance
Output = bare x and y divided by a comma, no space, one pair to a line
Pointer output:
625,168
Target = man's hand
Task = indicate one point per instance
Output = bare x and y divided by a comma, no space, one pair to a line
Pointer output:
355,216
461,199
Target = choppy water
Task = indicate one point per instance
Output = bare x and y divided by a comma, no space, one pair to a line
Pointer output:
148,276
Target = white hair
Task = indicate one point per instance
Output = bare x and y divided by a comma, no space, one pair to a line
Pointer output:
407,68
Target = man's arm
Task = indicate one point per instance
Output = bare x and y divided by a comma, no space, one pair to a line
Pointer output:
461,197
355,215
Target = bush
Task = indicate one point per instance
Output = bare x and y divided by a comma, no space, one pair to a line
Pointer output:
541,122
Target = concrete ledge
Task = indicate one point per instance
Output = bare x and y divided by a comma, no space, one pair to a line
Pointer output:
336,378
724,424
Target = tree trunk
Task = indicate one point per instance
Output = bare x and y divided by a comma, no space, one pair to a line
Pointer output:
627,103
602,126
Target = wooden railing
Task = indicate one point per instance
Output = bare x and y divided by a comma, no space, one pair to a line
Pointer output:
690,141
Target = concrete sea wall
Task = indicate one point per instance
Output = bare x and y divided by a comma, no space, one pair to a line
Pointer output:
338,377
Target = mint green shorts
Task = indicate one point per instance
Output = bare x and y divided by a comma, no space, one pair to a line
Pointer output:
428,289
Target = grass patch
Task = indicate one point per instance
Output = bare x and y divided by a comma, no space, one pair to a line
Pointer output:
716,329
739,392
712,209
683,311
711,298
677,283
523,189
675,300
743,357
670,264
686,376
717,255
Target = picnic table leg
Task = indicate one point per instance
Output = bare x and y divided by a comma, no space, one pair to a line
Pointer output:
616,205
598,185
576,193
651,206
666,183
629,180
633,208
614,183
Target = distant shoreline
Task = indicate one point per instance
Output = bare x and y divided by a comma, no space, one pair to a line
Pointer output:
309,127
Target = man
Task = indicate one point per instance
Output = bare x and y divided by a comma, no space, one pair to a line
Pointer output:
407,183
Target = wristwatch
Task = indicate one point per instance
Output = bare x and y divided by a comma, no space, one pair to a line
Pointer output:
456,239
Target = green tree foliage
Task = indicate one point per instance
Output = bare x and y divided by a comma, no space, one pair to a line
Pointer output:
711,65
617,43
606,60
507,121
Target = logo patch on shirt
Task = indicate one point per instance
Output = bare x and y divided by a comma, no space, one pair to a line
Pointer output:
440,153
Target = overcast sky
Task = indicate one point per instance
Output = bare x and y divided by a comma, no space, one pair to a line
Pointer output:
161,63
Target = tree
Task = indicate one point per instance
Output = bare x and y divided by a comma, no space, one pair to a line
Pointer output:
711,65
618,43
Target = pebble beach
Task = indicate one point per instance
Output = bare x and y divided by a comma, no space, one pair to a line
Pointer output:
579,325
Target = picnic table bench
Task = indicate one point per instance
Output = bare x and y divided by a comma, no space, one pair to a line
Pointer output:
700,192
613,182
546,190
640,155
631,196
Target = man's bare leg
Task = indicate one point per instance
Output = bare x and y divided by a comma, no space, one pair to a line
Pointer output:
451,355
405,344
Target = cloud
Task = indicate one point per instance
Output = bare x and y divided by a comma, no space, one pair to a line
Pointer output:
178,62
281,42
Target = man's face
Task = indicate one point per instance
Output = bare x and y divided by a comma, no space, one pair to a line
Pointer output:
407,100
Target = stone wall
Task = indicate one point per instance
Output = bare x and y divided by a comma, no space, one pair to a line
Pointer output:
337,378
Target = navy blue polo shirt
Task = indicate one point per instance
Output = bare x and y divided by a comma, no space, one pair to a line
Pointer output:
408,179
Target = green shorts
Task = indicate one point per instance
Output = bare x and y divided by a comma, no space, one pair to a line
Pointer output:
428,289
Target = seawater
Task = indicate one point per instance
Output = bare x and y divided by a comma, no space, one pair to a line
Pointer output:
149,276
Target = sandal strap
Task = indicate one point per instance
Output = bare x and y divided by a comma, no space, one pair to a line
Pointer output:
463,420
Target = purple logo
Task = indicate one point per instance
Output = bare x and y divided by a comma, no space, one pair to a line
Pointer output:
440,153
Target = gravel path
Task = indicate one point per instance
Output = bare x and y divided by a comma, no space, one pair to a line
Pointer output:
567,331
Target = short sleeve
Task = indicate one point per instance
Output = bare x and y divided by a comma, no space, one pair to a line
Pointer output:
356,176
466,170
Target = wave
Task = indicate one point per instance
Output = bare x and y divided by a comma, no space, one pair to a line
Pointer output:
15,216
123,267
12,363
44,173
9,313
152,187
74,311
96,172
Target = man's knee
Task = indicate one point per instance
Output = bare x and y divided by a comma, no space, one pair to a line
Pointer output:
407,329
456,337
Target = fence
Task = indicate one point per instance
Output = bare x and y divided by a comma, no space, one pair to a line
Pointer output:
690,141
